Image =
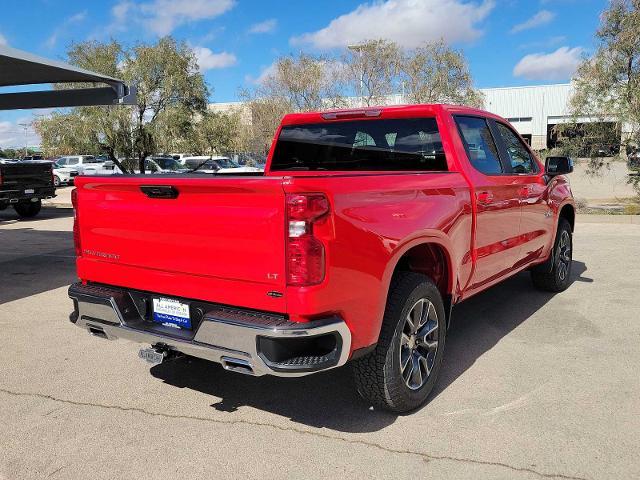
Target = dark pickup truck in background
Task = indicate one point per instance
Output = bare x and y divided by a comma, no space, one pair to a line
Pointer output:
24,185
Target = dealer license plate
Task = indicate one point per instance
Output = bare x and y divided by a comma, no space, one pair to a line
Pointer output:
171,313
29,191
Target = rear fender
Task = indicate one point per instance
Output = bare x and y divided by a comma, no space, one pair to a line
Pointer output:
436,238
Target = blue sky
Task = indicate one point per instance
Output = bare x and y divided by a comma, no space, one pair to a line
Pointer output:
507,42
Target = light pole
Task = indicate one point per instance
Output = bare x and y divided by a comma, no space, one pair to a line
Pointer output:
358,48
25,126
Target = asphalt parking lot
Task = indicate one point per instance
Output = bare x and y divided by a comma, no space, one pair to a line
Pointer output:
534,386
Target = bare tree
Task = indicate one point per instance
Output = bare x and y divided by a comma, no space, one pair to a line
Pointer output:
300,83
437,73
372,70
306,82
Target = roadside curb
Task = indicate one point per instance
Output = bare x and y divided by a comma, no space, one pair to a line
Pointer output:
597,218
56,205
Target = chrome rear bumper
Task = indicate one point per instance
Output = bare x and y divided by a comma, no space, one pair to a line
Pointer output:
245,341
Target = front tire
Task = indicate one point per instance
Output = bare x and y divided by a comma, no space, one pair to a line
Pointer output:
402,370
28,210
559,277
56,181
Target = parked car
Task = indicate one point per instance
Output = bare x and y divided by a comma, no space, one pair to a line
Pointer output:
83,164
23,185
364,231
164,165
633,160
63,175
215,164
180,156
153,165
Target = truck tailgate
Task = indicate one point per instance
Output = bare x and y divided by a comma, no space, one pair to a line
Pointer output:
220,240
26,175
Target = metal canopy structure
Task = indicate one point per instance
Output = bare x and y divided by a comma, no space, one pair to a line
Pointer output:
22,68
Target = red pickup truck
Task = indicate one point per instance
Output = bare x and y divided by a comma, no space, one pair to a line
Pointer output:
363,232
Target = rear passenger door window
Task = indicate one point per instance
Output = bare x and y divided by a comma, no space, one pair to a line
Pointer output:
518,154
480,145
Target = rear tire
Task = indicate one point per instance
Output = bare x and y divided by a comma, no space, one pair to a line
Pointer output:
28,210
56,181
402,370
559,277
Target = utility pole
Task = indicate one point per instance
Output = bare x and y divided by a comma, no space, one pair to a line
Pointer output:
25,126
358,48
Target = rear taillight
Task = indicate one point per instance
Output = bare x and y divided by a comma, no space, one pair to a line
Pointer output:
53,177
76,222
305,252
1,179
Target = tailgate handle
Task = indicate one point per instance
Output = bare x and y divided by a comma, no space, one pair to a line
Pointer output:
160,191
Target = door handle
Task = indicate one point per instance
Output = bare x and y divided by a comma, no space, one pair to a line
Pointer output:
524,192
160,191
484,197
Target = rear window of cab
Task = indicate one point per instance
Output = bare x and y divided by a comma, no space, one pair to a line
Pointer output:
361,145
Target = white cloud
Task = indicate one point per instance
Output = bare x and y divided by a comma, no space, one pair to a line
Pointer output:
12,134
541,18
63,28
406,22
3,40
265,73
207,60
164,16
558,65
267,26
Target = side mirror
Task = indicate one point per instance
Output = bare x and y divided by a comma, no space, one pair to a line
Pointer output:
558,166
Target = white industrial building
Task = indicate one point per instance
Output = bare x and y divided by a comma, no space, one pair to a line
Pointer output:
533,110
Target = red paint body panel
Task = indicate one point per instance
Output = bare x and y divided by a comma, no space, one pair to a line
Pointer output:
223,239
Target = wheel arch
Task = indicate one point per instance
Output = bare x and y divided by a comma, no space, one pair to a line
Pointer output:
430,257
568,212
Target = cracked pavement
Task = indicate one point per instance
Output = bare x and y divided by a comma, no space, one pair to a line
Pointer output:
533,386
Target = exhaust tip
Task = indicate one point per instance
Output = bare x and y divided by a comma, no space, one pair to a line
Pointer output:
237,365
98,332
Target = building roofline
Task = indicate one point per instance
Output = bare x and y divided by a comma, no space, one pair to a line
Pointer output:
522,87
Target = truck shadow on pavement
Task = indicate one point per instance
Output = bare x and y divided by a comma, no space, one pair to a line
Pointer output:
34,261
480,322
9,216
328,399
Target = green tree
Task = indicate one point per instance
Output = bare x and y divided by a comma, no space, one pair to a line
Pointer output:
171,92
217,133
436,73
265,114
8,153
607,85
